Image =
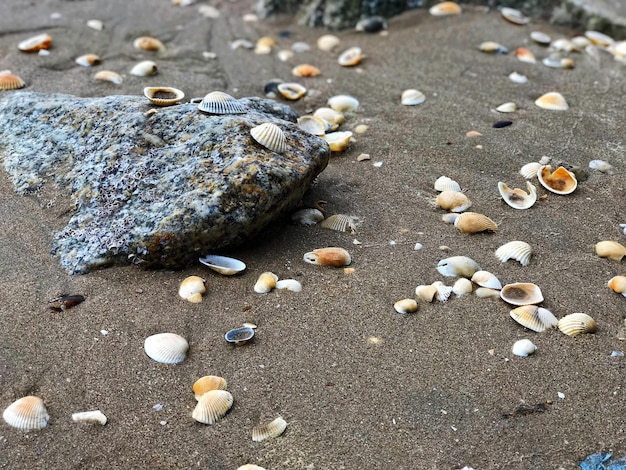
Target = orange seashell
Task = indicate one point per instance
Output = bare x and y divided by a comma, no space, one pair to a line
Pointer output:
10,81
445,9
331,256
473,222
208,383
560,181
525,55
36,43
454,201
305,70
553,100
618,284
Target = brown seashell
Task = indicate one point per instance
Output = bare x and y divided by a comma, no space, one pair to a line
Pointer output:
618,284
163,95
525,55
27,414
148,43
559,181
331,256
270,136
473,222
553,100
453,201
64,302
445,9
265,431
610,249
521,293
305,70
575,324
36,43
212,406
534,318
351,57
10,81
108,76
88,60
206,384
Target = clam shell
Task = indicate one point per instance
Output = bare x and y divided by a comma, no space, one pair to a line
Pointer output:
523,348
88,60
270,136
610,249
514,16
575,324
90,417
331,256
473,222
454,201
553,100
10,81
350,57
265,431
529,171
426,293
166,348
265,283
338,141
289,284
148,43
145,68
223,264
517,250
305,70
443,291
540,38
517,198
328,42
462,286
491,47
36,43
487,293
343,103
525,55
559,181
291,91
599,39
108,76
534,318
163,95
218,102
458,266
443,183
239,336
308,216
412,97
406,306
208,383
27,414
192,288
516,77
340,222
486,279
521,293
312,124
618,284
212,406
445,9
509,107
331,116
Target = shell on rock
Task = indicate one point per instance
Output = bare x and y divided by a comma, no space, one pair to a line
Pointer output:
514,16
553,100
289,284
575,324
405,306
10,81
458,266
338,141
207,383
265,431
610,249
454,201
559,181
270,136
518,198
305,70
445,9
166,348
331,256
491,47
412,97
443,183
517,250
148,43
486,279
462,286
328,42
239,336
88,60
145,68
265,283
426,292
308,216
27,414
524,54
192,288
521,293
340,222
343,103
443,291
291,90
487,293
163,95
534,318
473,222
218,102
351,57
529,170
90,417
618,284
312,124
523,348
109,76
36,43
223,264
212,406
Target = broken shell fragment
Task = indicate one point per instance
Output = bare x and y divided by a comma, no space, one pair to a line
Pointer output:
523,348
10,81
166,348
289,284
426,292
192,288
328,42
291,91
218,102
305,70
270,136
618,284
521,293
223,264
491,47
144,68
517,250
265,283
534,318
514,16
462,286
443,291
405,306
239,336
331,256
338,141
453,201
575,324
340,222
307,217
445,9
486,279
108,76
517,198
412,97
88,60
212,406
27,414
265,431
610,249
90,417
163,95
601,166
36,43
343,103
443,183
473,222
525,55
206,384
553,100
335,118
351,57
312,124
148,43
559,181
458,266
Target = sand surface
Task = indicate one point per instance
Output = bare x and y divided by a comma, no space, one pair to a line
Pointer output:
428,393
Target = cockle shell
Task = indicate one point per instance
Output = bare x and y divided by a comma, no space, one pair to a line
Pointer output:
291,90
145,68
454,201
553,100
340,222
529,170
559,181
331,256
36,43
239,336
192,288
212,406
166,348
517,198
491,47
443,291
426,292
473,222
514,16
577,323
338,141
265,283
486,279
525,55
163,95
265,431
343,103
90,417
312,124
406,306
412,97
618,284
523,348
308,216
88,60
218,102
270,136
610,249
445,9
289,284
27,414
328,42
108,76
305,70
10,81
350,57
223,264
462,286
517,250
443,183
521,293
534,318
458,266
207,383
148,43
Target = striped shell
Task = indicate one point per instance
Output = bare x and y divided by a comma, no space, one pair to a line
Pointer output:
27,414
559,181
534,318
218,102
405,306
443,291
212,406
521,293
206,384
10,81
331,256
473,222
166,348
340,222
529,171
518,198
443,183
163,95
270,136
517,250
265,431
575,324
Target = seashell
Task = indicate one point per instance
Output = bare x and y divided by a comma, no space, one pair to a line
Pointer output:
343,103
148,43
601,166
265,431
523,348
241,44
192,288
88,60
328,42
443,291
166,348
36,43
534,318
580,42
521,293
529,171
312,124
487,293
208,383
509,107
618,284
412,97
575,324
340,222
557,62
239,336
265,283
518,198
289,284
458,266
271,87
338,141
90,417
443,183
96,25
305,70
553,100
350,57
486,279
472,134
501,125
462,286
285,55
517,250
250,466
27,414
331,256
270,136
445,9
491,47
525,55
599,39
449,218
212,406
473,222
331,116
610,249
426,293
218,102
540,38
291,91
266,41
163,95
514,16
518,78
308,216
144,68
560,181
10,81
108,76
372,24
405,306
223,264
454,201
64,302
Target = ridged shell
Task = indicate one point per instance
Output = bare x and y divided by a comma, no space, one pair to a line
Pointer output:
406,306
525,55
308,216
454,201
218,102
618,284
523,348
163,95
534,318
312,124
27,414
521,293
340,222
331,256
223,264
458,266
191,289
265,431
343,103
473,222
289,284
426,292
443,183
270,136
109,76
443,291
90,417
350,57
166,348
88,60
445,9
208,383
291,91
10,81
529,171
486,279
610,249
462,286
518,198
35,43
338,141
305,70
559,181
265,283
328,42
517,250
239,336
145,68
148,43
212,406
514,16
412,97
577,323
553,101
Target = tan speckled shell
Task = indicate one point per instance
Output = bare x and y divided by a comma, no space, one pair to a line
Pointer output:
521,293
575,324
270,136
534,318
206,384
26,414
212,406
553,101
265,431
405,306
517,250
559,181
218,102
473,222
331,256
151,93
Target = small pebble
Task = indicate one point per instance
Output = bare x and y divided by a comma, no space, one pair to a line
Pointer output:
617,353
418,246
561,395
501,124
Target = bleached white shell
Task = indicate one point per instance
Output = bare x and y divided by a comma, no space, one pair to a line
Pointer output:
250,466
516,77
265,283
338,141
144,68
405,306
265,431
312,124
270,136
212,406
575,324
458,266
517,198
412,97
534,318
192,288
517,250
289,284
444,183
223,264
462,286
521,293
486,279
166,348
487,293
27,414
218,102
426,292
96,417
523,348
350,57
443,291
328,42
509,107
340,222
343,103
529,171
553,100
308,216
601,166
334,118
540,37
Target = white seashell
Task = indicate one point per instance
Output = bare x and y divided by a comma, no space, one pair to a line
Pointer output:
553,100
518,198
299,47
443,291
350,57
308,216
487,293
618,284
340,222
517,250
343,103
443,183
218,102
328,42
426,293
191,289
241,44
291,91
514,16
462,286
518,78
27,414
523,348
145,68
265,283
540,37
610,249
166,348
163,95
529,171
338,141
284,55
212,406
148,43
207,383
88,60
96,417
450,218
521,293
265,431
406,306
108,76
458,266
534,318
486,279
223,264
95,24
250,466
289,284
36,43
412,97
334,118
575,324
445,9
601,166
524,54
270,136
509,107
312,124
599,39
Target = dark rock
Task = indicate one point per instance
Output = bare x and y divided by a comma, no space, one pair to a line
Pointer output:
154,186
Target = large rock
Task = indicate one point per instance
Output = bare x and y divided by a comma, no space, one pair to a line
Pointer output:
154,186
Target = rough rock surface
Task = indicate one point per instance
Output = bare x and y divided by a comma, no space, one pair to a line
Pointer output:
154,186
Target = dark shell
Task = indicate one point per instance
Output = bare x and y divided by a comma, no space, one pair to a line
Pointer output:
272,86
501,124
64,302
373,24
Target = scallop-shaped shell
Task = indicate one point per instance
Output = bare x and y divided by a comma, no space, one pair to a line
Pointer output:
270,136
218,102
521,293
517,250
575,324
265,283
10,81
343,103
412,97
443,291
338,141
553,100
529,170
462,286
518,198
328,42
166,348
265,431
335,118
289,284
331,256
473,222
145,68
405,306
486,279
540,37
340,222
487,293
458,266
491,47
27,414
312,124
148,43
163,95
445,9
207,383
523,348
559,181
192,288
239,336
291,91
534,318
108,76
454,201
90,417
618,284
426,292
350,57
308,216
610,249
524,54
514,16
212,406
36,43
88,60
443,183
305,70
223,264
